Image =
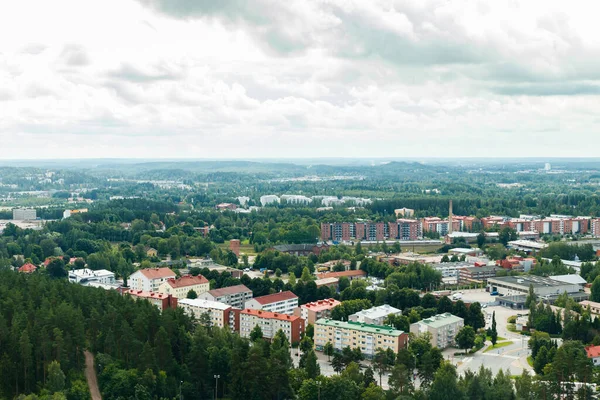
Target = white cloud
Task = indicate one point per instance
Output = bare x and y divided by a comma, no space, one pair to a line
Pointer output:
173,78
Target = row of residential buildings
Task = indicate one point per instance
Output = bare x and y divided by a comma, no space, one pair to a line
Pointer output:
528,227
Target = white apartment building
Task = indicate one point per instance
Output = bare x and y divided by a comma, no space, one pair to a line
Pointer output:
235,296
443,329
86,275
150,279
22,214
180,287
221,315
282,302
374,315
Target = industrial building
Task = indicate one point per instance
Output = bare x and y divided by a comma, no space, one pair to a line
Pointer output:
24,214
542,286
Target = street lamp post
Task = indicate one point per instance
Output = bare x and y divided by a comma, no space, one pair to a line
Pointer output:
318,390
216,385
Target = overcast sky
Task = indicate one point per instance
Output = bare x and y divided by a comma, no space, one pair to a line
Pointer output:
299,78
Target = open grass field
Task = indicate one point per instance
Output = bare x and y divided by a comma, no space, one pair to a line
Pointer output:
497,346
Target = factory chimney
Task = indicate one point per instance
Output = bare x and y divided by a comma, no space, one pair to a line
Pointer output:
450,219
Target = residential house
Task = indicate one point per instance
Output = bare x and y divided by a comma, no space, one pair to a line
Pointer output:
313,311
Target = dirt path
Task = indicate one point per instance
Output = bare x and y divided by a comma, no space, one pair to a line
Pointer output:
90,375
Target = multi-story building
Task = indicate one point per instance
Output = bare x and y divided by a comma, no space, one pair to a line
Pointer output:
282,303
221,315
374,315
150,279
235,296
442,327
404,212
402,229
311,312
270,323
367,337
161,300
595,227
592,306
180,287
22,214
441,226
477,274
351,274
87,275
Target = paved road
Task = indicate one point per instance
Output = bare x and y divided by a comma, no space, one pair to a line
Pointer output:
90,376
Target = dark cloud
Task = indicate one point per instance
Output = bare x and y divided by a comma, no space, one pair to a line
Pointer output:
75,55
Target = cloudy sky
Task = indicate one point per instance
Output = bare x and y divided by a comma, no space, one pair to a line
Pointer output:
299,78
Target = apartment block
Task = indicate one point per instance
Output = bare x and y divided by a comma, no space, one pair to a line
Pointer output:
367,337
443,329
160,300
270,323
150,279
311,312
282,303
180,287
595,227
374,315
477,274
21,214
402,229
236,296
221,315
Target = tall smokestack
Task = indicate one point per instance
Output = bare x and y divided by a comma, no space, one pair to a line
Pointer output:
450,219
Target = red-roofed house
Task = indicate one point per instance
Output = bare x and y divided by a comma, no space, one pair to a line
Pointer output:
311,312
27,268
150,279
160,300
282,302
593,352
352,274
180,288
269,322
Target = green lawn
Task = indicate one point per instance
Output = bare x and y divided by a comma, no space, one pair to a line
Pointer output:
530,361
497,346
498,339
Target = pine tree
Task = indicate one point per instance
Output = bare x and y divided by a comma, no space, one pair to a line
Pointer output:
494,331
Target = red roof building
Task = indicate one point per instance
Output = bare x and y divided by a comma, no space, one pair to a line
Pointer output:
180,287
311,312
352,274
282,302
27,268
270,323
593,352
161,300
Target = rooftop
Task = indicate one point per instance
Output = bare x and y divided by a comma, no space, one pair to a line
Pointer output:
592,351
375,329
321,305
229,290
570,278
440,320
297,247
86,272
204,304
146,295
528,244
270,315
155,273
526,280
378,312
276,297
350,273
326,281
187,280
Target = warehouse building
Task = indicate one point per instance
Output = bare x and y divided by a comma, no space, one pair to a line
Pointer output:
542,286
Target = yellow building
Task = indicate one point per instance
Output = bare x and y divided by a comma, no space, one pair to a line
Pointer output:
367,337
179,288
